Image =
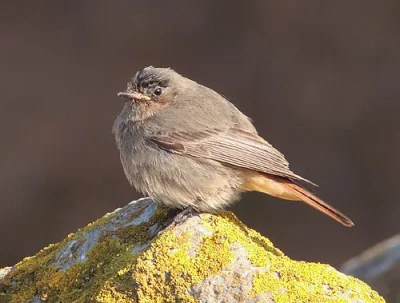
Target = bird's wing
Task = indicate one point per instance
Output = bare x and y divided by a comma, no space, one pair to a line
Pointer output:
230,146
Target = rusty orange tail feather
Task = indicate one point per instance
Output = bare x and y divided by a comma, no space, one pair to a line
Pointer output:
286,189
318,204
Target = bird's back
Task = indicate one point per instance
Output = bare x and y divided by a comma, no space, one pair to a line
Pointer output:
206,109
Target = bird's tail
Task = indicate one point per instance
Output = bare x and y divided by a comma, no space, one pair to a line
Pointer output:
287,189
312,200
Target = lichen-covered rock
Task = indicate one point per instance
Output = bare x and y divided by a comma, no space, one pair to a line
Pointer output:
379,266
129,256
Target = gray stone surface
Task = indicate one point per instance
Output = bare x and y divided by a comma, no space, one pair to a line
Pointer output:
129,256
379,266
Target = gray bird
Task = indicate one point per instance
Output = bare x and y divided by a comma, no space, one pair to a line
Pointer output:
186,146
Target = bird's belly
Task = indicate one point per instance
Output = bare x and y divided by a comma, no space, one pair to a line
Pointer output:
180,181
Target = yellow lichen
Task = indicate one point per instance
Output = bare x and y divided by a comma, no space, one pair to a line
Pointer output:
166,271
97,277
113,292
236,232
169,268
294,281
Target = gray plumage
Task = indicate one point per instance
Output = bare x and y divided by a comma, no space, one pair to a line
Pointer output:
180,149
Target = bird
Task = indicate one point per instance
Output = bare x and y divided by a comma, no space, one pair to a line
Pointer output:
187,147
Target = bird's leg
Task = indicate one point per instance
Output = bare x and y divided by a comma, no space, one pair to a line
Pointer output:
186,213
179,216
172,213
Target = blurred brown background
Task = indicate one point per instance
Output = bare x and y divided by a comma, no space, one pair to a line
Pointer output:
320,79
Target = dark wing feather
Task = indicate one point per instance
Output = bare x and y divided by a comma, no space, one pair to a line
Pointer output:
231,146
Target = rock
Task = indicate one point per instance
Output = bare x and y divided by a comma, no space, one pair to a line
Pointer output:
130,256
379,266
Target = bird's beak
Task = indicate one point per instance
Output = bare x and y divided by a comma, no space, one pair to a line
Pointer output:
134,96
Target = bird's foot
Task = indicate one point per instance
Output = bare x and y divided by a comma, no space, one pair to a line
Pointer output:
187,213
180,216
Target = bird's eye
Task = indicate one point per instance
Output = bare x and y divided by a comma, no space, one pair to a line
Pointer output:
157,91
